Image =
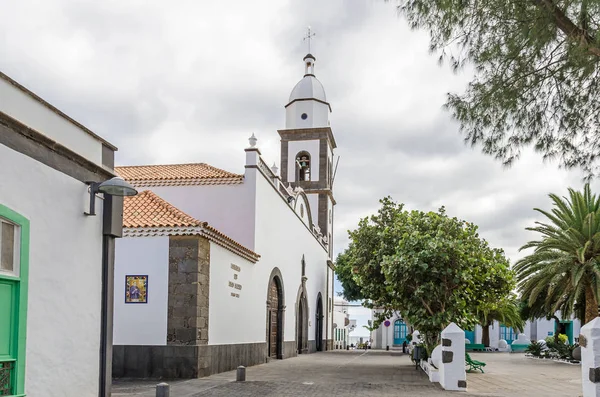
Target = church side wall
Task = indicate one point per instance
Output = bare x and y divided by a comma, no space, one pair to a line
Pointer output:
281,240
228,208
64,298
141,323
234,319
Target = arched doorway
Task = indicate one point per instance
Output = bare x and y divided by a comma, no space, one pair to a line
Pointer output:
302,324
319,324
275,309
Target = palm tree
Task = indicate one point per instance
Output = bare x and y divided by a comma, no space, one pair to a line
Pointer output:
505,311
563,271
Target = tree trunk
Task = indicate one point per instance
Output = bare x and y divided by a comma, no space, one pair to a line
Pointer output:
591,306
431,340
485,335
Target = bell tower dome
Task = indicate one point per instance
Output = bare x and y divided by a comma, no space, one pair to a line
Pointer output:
307,106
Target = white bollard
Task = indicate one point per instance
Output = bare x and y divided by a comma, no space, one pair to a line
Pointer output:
452,368
589,340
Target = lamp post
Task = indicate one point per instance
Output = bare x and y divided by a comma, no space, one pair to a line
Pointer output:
111,228
114,187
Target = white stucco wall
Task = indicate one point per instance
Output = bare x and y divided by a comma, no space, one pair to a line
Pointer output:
63,319
142,323
317,115
234,319
310,146
313,199
228,208
282,239
32,113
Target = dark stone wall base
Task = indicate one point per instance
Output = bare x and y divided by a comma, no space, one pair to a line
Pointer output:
173,362
312,346
290,349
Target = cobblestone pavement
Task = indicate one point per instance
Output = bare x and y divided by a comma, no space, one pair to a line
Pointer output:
513,374
374,373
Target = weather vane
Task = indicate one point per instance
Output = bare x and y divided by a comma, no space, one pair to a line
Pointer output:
309,35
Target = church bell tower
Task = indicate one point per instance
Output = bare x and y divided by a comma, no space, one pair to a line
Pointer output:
307,148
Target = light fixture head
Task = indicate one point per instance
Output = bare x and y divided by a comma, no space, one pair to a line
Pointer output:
117,186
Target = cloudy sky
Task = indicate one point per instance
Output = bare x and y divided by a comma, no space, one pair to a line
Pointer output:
192,80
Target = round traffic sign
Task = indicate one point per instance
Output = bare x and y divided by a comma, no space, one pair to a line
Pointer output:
387,323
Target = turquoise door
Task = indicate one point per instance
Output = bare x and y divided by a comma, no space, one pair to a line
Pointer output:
470,335
567,328
400,331
508,334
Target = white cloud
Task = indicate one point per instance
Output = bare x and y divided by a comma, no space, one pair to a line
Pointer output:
190,81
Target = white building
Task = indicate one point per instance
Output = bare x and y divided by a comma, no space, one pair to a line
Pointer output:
534,330
342,324
220,269
395,334
54,338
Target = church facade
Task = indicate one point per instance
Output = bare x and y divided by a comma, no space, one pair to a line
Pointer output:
220,269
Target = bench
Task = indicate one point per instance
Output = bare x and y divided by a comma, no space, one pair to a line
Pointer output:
473,365
475,346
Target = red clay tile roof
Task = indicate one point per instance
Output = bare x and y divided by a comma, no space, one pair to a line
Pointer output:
177,175
149,210
151,213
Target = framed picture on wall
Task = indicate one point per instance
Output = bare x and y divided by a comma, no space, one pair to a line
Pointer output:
136,289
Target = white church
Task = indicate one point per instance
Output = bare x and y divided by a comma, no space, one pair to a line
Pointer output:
218,269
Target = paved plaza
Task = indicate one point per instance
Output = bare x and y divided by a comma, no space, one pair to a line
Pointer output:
372,373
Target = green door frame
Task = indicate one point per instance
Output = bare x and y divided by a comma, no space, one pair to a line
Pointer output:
568,329
22,285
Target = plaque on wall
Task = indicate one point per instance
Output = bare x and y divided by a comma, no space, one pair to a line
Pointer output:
136,289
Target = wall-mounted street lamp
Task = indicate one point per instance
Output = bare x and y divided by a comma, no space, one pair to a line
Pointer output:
114,187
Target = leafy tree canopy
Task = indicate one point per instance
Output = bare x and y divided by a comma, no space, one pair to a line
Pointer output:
536,78
430,267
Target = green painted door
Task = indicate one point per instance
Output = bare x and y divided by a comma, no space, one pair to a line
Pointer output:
8,333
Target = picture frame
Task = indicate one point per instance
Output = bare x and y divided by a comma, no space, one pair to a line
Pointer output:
136,288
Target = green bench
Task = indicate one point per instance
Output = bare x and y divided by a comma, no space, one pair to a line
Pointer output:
473,365
475,346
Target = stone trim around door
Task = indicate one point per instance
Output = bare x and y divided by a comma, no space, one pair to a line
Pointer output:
276,273
189,286
19,329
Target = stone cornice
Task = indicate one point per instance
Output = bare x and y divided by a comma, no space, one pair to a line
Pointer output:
305,134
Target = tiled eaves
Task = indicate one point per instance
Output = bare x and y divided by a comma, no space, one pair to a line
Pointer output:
186,182
205,230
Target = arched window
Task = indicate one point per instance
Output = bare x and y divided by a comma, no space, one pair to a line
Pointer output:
303,166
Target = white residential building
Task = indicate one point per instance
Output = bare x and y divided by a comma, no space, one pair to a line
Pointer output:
55,262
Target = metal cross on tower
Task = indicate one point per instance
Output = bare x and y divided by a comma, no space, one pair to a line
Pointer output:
309,35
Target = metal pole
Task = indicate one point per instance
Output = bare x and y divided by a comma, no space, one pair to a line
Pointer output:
162,390
241,374
387,341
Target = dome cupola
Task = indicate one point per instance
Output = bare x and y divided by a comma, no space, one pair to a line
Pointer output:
307,105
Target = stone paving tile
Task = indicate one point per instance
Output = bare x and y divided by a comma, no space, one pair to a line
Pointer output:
512,375
372,373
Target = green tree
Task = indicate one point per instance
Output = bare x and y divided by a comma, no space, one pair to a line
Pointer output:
536,73
563,271
430,267
506,311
